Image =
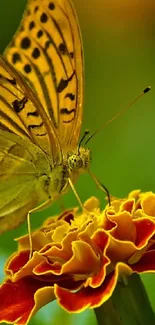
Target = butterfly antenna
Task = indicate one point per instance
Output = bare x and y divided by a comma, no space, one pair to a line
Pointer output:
119,113
82,139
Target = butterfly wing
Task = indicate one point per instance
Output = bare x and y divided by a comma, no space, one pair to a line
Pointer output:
28,146
47,51
18,179
21,113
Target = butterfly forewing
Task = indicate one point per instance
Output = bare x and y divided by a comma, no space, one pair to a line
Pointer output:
47,51
21,112
41,104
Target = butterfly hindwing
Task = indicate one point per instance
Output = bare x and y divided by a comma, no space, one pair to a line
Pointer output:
18,179
47,51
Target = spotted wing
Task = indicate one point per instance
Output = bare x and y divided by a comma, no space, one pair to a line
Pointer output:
22,114
47,51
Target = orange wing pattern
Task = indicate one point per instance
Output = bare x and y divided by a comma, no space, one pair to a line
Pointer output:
47,51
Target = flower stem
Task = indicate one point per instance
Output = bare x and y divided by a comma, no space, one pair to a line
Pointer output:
128,305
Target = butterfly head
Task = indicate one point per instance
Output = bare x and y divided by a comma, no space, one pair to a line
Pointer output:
80,160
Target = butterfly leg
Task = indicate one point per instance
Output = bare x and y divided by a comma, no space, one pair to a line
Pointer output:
77,196
29,233
37,209
101,187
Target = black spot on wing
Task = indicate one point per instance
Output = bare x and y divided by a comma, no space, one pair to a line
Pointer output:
25,43
51,6
36,9
19,105
39,33
47,44
62,48
31,25
64,83
35,126
36,53
71,96
35,113
69,121
27,68
43,17
66,111
71,55
11,81
16,57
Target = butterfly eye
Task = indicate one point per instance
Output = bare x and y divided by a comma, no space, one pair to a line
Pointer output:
75,162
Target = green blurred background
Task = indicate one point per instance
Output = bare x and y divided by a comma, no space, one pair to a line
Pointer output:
119,47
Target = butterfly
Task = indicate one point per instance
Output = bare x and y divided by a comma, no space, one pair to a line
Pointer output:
41,107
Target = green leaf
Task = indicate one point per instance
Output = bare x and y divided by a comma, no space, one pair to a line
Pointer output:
129,305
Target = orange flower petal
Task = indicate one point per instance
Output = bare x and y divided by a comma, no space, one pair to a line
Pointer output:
148,204
79,258
89,297
16,267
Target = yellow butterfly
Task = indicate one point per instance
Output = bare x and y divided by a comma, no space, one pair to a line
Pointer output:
40,110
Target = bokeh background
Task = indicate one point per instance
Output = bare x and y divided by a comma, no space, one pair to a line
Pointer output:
119,47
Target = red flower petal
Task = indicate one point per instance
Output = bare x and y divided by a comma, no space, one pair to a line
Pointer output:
16,262
146,263
145,229
20,300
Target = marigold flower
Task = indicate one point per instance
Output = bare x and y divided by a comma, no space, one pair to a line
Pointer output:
79,258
